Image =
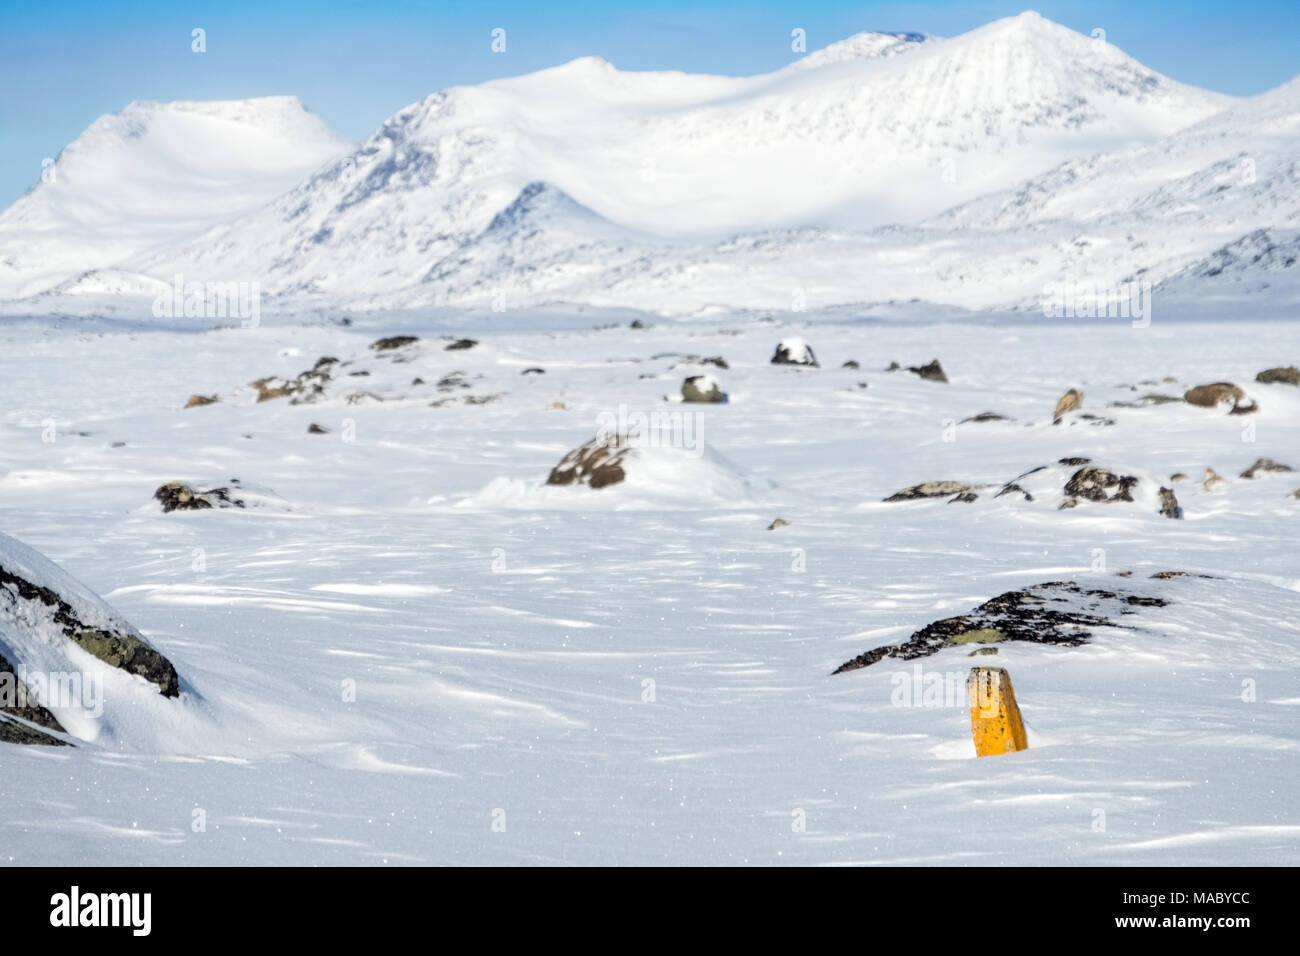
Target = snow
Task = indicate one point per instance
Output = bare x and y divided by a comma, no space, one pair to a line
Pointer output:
643,674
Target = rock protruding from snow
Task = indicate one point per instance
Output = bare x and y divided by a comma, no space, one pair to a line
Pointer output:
1289,375
52,624
596,463
794,351
702,388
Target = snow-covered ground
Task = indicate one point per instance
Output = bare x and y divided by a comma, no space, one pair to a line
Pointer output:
642,672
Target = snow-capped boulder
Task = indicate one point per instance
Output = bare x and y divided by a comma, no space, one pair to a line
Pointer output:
54,631
794,351
702,388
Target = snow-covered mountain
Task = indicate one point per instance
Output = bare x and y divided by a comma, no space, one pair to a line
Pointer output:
876,129
971,171
155,174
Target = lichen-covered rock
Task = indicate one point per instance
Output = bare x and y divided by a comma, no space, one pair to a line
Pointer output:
702,388
1290,375
794,351
1264,466
40,605
1055,612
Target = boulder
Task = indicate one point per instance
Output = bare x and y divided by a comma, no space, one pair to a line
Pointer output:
1214,394
460,345
1289,375
596,464
178,496
794,351
702,388
44,612
931,373
197,401
394,342
1099,484
1263,466
933,489
1068,403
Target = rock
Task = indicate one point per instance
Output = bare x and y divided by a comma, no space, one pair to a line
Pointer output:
1212,480
1067,504
637,324
559,406
1056,612
1151,398
983,652
1239,409
533,371
1099,484
308,386
851,363
460,345
596,464
417,381
1178,476
931,373
984,417
794,351
1095,419
1216,393
1169,506
197,401
893,367
118,444
1279,376
43,605
1264,465
717,361
1296,493
932,489
178,496
777,523
1068,403
966,497
393,342
314,429
702,388
1073,462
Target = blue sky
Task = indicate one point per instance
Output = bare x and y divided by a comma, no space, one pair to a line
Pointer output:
62,64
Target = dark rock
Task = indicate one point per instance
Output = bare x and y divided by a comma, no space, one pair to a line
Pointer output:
314,429
931,373
178,496
107,641
533,371
1060,613
702,388
777,523
393,342
460,345
1098,484
597,464
1264,465
932,489
794,352
851,363
984,417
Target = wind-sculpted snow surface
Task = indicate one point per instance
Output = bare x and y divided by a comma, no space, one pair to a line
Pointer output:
436,657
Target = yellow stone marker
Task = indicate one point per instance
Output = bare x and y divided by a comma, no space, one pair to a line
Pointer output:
995,722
